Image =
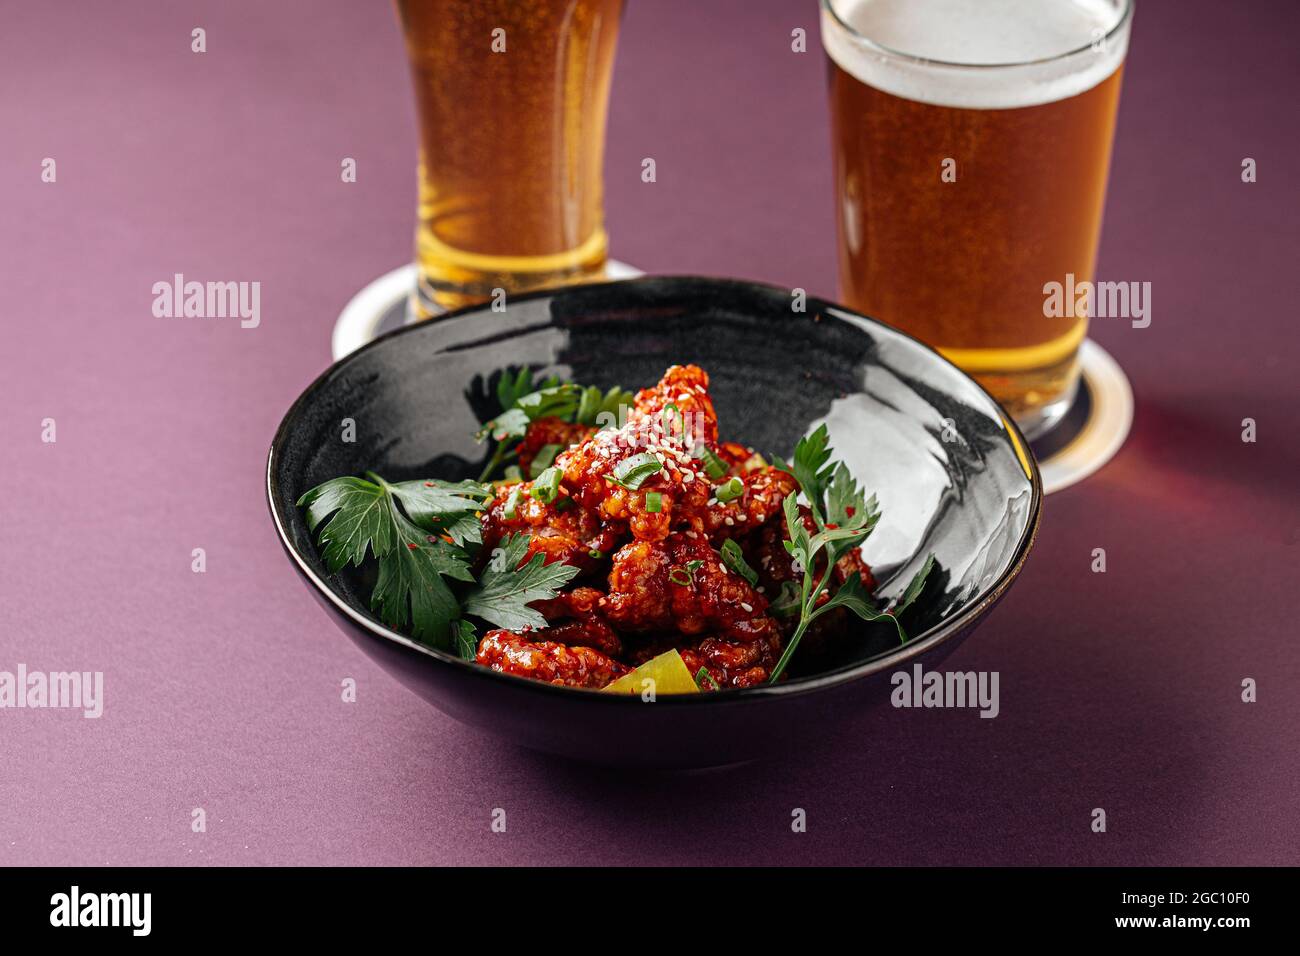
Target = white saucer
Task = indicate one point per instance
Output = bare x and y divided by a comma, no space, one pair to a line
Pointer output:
381,306
1094,428
1087,437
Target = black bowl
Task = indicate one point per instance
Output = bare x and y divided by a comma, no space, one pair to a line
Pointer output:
952,474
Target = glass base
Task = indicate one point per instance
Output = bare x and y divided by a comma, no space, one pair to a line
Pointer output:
1037,398
1045,417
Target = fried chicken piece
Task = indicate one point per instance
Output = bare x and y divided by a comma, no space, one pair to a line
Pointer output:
576,603
686,389
534,657
549,431
638,598
739,459
714,598
729,663
559,532
591,474
681,585
734,663
582,623
590,630
766,489
672,422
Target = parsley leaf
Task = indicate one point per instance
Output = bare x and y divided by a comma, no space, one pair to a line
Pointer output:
525,399
507,587
597,409
416,530
360,510
410,594
443,505
512,388
353,515
465,637
811,470
844,517
914,587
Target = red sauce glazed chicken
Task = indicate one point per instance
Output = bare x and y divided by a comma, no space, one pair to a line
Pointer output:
638,512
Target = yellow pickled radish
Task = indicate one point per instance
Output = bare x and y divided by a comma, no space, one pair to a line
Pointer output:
668,671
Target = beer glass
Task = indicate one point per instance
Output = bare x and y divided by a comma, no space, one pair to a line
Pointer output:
971,146
512,97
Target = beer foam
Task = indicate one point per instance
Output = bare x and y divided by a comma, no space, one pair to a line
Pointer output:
948,46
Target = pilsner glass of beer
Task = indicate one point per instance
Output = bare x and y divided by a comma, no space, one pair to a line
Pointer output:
971,142
512,98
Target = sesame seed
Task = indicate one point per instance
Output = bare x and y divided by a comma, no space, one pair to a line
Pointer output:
730,520
747,607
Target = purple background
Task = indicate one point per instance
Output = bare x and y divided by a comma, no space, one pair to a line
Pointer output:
1119,690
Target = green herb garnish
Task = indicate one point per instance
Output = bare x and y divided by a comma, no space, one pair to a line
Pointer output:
546,486
685,575
844,517
810,467
508,585
605,410
524,399
734,559
654,502
703,678
632,471
423,533
730,490
714,466
466,639
678,419
544,458
511,509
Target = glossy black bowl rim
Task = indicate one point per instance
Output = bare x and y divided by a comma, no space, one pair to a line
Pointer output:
803,685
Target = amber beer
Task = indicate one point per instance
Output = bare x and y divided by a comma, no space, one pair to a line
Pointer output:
971,145
511,97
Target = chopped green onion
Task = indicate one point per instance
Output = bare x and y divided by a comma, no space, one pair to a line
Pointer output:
654,502
512,502
632,472
703,677
787,601
513,473
734,558
596,553
543,459
731,489
547,485
714,466
685,575
681,419
563,503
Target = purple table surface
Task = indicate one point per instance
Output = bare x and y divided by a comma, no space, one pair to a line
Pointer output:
1119,690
